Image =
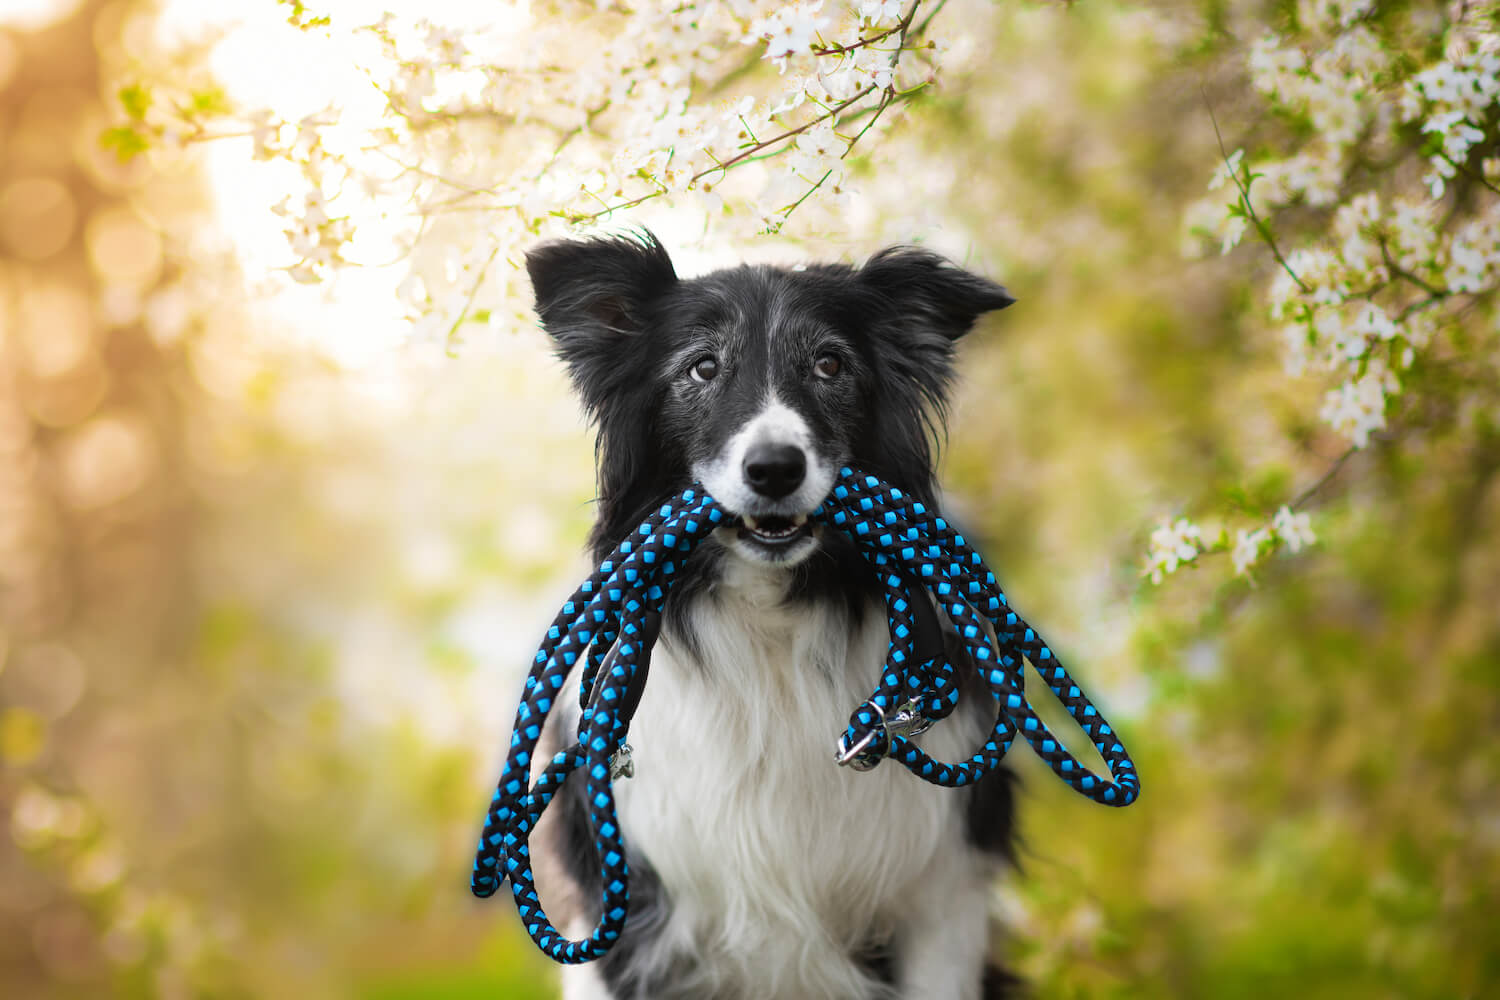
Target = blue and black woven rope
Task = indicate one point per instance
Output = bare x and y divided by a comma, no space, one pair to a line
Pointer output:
612,620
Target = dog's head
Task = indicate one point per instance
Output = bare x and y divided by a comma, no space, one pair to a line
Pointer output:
761,382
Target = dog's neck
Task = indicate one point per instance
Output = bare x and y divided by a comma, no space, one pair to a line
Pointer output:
762,588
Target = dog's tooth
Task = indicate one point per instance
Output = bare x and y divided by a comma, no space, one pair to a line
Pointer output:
799,520
751,523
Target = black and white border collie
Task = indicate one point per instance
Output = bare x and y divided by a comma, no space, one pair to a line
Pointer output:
760,869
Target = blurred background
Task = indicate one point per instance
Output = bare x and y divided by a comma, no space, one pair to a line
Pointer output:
268,579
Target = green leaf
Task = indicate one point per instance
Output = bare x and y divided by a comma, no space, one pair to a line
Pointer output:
127,142
210,101
302,17
136,100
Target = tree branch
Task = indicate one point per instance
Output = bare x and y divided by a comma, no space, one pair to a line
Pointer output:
1324,479
1244,190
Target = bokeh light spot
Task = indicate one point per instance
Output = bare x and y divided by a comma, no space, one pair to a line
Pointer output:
122,248
30,15
23,733
71,400
65,942
37,216
50,126
105,461
56,329
48,678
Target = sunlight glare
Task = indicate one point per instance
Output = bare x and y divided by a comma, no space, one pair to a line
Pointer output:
263,63
33,15
355,317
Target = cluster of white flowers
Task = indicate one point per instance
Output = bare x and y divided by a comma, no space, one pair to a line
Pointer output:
1451,98
1291,530
1473,257
1403,258
313,236
1179,543
875,11
492,135
789,31
1173,544
1294,530
1357,407
1249,547
1331,15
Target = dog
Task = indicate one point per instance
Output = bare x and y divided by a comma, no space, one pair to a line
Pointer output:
760,870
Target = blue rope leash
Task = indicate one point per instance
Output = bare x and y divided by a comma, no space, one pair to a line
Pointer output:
613,619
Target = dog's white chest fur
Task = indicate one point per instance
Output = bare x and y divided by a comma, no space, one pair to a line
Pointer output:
781,866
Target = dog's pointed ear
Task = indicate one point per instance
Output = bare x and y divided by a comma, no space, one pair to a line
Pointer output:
929,294
588,290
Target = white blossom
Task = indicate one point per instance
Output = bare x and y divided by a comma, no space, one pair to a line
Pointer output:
1330,15
265,129
877,11
1413,238
1293,530
1474,255
1361,52
790,30
1172,545
1356,408
1359,215
817,151
1315,176
1275,67
1233,231
1227,171
1400,261
1248,548
584,139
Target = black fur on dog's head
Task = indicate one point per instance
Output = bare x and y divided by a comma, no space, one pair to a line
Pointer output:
672,370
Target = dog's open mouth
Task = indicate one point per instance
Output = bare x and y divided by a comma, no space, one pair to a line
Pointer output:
772,530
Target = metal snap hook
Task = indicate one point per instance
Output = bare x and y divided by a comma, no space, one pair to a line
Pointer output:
621,764
854,756
908,722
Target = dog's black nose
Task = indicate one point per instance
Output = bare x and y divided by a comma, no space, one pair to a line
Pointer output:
774,470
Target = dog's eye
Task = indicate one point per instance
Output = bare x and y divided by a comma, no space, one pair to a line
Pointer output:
827,366
705,368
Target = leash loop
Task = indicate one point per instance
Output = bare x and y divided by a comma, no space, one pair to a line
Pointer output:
928,574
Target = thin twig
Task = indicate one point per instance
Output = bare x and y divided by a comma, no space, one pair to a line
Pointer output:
1244,190
831,112
1324,479
1401,272
1421,305
865,42
922,28
786,213
473,293
1463,168
722,166
885,101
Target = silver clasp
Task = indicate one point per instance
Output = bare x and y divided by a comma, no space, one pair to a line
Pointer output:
853,756
906,722
622,765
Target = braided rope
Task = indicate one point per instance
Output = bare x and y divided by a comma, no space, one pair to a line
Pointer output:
612,621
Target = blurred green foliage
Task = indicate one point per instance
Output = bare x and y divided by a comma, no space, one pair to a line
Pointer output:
236,804
1319,808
